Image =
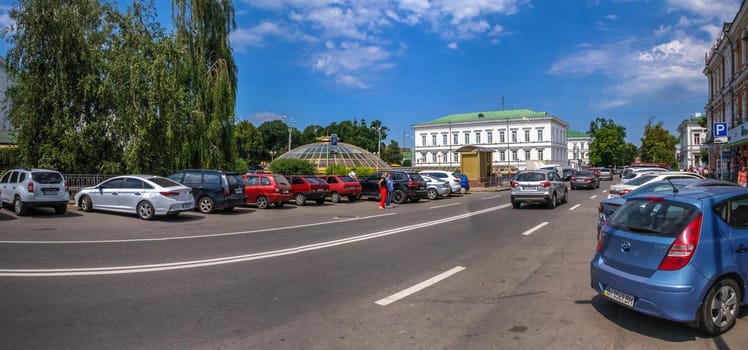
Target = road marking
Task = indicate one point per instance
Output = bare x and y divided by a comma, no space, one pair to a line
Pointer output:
605,191
445,205
418,287
530,231
574,207
179,265
593,197
199,236
492,197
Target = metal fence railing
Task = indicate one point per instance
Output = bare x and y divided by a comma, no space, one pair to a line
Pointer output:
77,181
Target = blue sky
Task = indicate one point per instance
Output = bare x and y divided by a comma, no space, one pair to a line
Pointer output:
410,61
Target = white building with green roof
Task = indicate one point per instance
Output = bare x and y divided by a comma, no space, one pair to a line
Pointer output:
515,136
578,148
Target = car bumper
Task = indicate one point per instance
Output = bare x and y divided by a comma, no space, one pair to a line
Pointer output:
671,295
583,184
539,197
176,207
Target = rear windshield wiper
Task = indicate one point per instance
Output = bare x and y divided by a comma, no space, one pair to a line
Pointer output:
642,230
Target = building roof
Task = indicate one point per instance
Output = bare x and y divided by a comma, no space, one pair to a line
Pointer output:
572,133
487,115
322,155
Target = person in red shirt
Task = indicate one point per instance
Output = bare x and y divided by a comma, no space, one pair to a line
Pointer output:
382,191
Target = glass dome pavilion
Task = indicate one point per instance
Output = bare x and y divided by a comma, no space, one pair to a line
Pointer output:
323,154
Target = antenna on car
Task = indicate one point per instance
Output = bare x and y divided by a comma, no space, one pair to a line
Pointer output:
675,189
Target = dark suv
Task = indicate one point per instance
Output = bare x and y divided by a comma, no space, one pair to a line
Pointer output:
408,186
213,189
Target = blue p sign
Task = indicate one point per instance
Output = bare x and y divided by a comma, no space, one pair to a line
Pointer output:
720,129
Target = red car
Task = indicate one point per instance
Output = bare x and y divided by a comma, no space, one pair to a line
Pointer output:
342,185
308,187
263,189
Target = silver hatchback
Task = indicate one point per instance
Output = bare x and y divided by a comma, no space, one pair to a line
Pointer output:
538,186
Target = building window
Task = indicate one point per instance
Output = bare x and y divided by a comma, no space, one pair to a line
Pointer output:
540,135
423,140
527,135
489,136
527,153
457,157
433,139
455,139
540,155
514,136
444,139
696,139
433,158
502,156
477,138
514,155
467,138
502,139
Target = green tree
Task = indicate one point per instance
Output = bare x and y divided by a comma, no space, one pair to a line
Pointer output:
658,145
275,138
287,166
608,142
207,70
629,155
392,153
250,145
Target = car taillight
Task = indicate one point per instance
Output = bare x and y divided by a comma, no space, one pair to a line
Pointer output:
226,191
545,184
622,192
30,186
600,207
573,179
515,184
599,248
682,249
169,194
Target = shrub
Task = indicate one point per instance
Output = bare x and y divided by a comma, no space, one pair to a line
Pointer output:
285,166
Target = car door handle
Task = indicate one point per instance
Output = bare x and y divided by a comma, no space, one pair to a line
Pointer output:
114,193
137,193
742,249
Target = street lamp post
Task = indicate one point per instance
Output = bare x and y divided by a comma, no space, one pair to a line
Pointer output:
290,128
379,144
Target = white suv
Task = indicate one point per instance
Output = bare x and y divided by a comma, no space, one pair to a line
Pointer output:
24,188
454,181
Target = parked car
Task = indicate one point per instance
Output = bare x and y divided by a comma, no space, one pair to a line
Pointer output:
680,257
449,176
24,188
308,187
568,173
621,189
436,187
606,174
212,189
144,195
266,189
408,186
538,186
507,170
631,173
584,179
342,185
608,206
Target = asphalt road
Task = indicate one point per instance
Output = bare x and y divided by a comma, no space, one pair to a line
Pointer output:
466,272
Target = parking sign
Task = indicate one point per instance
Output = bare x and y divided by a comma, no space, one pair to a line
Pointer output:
334,139
720,132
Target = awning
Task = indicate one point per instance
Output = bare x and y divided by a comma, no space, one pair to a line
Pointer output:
735,143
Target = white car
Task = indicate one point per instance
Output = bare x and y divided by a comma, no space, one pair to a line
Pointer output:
436,187
621,189
144,195
454,181
632,173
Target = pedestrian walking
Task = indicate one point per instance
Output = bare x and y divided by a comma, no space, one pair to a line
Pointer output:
742,177
382,191
390,188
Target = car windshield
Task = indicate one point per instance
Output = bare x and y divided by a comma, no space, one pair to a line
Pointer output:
641,180
234,179
46,177
583,174
531,177
653,217
416,177
163,182
281,180
658,186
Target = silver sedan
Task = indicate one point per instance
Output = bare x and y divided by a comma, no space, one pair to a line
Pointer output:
144,195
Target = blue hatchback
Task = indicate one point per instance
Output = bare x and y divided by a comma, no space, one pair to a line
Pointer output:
681,257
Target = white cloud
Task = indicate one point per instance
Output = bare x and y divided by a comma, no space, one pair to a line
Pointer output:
350,63
266,116
723,10
452,45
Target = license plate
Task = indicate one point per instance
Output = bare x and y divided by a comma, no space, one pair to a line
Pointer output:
530,188
285,191
320,190
50,191
237,190
619,296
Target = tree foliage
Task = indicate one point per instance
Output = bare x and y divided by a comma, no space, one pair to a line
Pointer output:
608,143
658,145
392,154
287,166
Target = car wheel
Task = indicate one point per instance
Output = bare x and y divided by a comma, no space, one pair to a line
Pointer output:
720,308
335,197
86,204
463,190
398,197
146,210
18,207
566,197
205,205
300,199
262,202
432,194
552,201
319,201
61,209
516,205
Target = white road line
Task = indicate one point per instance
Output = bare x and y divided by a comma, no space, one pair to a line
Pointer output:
574,207
198,236
492,197
605,191
593,197
179,265
445,205
530,231
418,287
